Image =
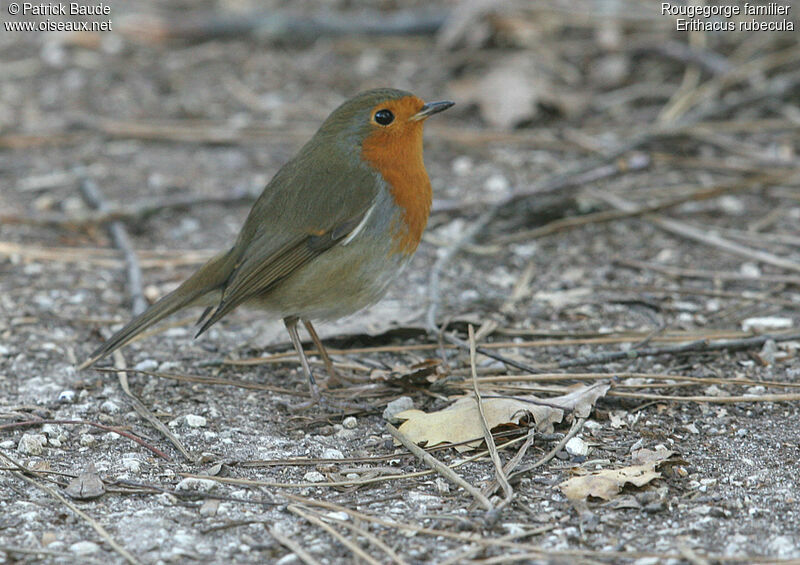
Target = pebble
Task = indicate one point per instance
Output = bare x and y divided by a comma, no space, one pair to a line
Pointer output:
766,323
87,440
146,365
84,548
497,183
289,559
462,165
132,465
314,477
331,453
195,421
193,483
32,444
396,406
109,407
576,446
66,396
350,423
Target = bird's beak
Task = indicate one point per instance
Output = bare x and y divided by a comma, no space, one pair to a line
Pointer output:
431,108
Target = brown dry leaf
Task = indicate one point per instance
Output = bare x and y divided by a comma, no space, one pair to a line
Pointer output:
607,483
86,485
461,422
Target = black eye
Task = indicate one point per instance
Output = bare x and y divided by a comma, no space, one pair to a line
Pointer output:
384,117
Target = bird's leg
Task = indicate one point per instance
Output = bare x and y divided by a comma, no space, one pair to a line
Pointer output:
291,326
322,352
316,398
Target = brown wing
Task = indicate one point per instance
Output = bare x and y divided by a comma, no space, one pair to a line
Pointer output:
257,274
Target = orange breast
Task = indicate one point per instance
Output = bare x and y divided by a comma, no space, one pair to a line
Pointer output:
396,152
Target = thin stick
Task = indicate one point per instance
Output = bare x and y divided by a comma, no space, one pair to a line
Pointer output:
500,475
702,345
119,431
119,235
144,411
701,274
440,467
293,546
696,234
349,544
576,427
101,531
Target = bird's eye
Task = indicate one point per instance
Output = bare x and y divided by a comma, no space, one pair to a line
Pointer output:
384,117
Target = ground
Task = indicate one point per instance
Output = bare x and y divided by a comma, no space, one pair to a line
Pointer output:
635,190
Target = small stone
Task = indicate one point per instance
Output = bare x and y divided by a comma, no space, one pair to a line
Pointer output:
442,486
66,396
766,323
462,165
341,516
109,407
331,453
87,440
32,444
288,559
396,406
84,548
209,508
350,423
576,446
132,465
195,421
750,270
314,477
497,183
146,365
193,483
7,444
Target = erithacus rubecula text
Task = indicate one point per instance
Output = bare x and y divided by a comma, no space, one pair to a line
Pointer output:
329,232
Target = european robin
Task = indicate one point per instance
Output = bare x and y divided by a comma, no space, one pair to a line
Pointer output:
329,232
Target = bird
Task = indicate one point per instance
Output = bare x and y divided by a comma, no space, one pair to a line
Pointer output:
328,234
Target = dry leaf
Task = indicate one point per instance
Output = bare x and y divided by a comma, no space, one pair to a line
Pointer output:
607,483
87,485
461,422
506,95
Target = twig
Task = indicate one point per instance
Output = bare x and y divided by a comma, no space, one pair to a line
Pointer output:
349,544
633,211
434,292
678,272
144,411
500,475
440,467
702,345
283,26
293,546
101,531
119,431
119,235
134,213
576,427
492,354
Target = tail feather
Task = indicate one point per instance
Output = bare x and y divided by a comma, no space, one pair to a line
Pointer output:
201,285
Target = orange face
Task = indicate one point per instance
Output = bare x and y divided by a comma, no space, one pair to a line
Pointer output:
394,148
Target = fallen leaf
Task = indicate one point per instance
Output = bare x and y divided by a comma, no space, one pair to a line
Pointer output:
506,95
607,483
87,485
461,422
